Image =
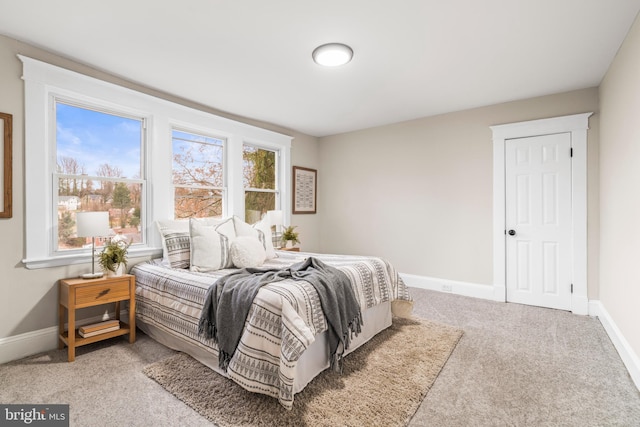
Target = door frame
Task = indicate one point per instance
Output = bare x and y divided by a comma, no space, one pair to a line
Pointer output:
577,125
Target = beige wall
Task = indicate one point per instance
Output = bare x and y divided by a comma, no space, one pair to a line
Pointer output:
28,298
419,193
305,153
620,189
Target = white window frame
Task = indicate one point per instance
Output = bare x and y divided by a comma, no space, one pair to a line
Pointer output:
42,81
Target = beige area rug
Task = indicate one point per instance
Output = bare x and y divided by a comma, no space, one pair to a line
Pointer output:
383,383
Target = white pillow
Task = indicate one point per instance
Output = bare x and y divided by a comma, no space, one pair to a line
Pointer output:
209,248
227,228
175,242
209,220
242,228
261,230
247,252
173,224
265,227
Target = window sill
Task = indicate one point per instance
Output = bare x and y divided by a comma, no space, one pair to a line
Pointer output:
84,258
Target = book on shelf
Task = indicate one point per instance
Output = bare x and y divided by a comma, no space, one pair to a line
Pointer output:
100,326
99,331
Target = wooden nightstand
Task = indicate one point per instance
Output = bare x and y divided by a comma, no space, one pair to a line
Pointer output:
295,249
79,293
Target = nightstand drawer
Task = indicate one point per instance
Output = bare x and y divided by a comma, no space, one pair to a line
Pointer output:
97,294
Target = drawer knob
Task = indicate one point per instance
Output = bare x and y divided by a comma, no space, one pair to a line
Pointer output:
103,293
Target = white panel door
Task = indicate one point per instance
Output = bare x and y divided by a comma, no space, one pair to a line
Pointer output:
538,220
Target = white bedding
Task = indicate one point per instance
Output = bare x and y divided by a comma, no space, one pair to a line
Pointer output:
284,344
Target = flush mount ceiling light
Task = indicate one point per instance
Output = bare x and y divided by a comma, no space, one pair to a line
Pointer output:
332,54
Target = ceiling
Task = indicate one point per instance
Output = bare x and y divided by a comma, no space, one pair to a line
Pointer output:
412,58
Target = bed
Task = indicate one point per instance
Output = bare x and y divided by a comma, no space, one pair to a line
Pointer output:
284,342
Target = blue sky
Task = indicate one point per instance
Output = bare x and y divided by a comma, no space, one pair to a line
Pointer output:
94,138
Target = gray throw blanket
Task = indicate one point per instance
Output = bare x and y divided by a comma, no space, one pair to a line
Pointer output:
229,299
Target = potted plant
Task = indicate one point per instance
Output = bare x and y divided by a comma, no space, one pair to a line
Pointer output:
289,235
113,258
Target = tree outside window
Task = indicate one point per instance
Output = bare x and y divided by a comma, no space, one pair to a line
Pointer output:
259,179
198,175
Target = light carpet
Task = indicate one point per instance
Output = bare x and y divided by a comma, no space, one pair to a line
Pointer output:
383,383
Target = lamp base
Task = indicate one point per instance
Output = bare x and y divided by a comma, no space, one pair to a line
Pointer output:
92,275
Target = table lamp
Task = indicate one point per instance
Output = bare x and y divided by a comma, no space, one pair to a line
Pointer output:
92,224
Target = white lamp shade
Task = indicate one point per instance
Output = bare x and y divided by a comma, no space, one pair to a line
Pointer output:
275,217
92,224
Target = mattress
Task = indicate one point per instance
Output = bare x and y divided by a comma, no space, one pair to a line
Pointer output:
284,343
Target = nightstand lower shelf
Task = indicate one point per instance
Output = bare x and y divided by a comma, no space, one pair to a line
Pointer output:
80,340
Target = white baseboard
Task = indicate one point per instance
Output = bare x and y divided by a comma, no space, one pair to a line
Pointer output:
628,356
451,286
23,345
40,341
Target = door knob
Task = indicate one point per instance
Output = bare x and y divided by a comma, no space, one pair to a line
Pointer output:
512,232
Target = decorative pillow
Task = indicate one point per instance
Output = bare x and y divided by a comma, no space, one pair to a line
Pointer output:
264,227
209,220
227,228
261,230
178,246
175,242
243,229
173,224
247,252
209,248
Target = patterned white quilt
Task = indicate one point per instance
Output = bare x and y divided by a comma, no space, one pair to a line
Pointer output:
282,323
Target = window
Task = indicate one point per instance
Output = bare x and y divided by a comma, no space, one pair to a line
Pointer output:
259,180
98,168
92,145
198,175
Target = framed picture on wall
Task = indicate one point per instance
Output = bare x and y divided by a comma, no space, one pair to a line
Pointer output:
5,165
305,185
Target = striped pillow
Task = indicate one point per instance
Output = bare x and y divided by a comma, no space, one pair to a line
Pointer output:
178,248
210,246
175,243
